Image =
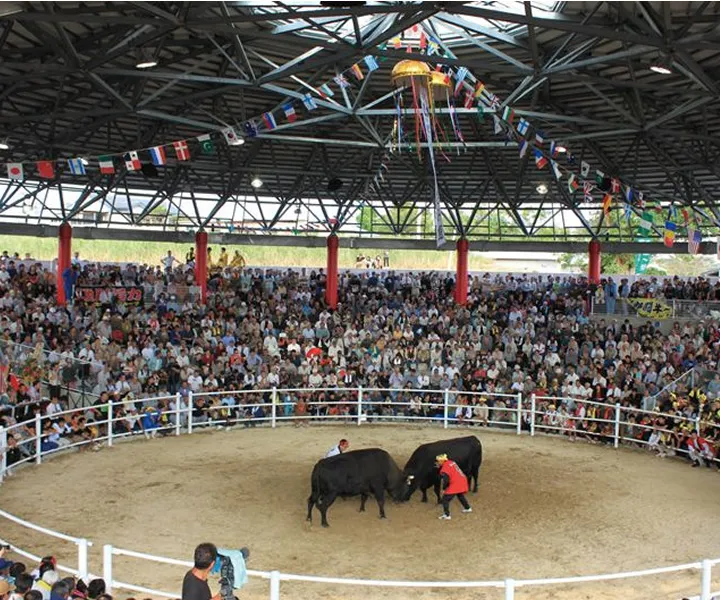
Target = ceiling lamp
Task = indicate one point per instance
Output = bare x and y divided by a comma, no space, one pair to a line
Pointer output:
145,59
560,149
541,189
662,67
256,182
407,72
4,144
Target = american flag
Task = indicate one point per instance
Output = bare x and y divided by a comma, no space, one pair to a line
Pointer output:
694,239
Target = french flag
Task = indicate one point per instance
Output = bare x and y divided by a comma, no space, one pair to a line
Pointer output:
290,112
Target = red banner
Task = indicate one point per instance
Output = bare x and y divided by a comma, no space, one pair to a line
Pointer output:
124,294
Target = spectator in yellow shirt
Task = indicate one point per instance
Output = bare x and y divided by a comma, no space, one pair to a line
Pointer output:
238,260
223,259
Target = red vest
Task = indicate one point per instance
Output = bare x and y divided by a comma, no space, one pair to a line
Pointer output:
458,482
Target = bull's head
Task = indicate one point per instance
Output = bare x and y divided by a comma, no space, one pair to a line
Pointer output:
410,485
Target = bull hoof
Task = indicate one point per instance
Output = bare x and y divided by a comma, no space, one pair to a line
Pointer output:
424,500
362,510
383,517
325,525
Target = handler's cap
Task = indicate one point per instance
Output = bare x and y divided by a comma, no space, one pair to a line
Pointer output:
441,458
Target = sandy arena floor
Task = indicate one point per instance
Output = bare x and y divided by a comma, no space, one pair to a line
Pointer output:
546,507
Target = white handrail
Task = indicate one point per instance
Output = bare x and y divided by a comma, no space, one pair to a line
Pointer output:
514,416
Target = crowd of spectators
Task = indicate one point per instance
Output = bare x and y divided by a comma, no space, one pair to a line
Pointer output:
43,582
398,332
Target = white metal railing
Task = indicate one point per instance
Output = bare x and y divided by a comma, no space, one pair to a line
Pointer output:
173,415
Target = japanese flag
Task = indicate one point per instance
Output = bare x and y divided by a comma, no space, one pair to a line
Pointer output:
15,171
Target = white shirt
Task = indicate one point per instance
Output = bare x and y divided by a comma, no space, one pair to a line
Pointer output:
334,451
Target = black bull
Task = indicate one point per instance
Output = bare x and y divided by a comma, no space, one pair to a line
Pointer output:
421,472
360,472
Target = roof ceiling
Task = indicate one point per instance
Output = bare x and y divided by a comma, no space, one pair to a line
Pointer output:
578,70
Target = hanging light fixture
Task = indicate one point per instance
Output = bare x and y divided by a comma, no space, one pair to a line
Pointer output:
541,188
256,182
145,59
560,149
4,144
662,67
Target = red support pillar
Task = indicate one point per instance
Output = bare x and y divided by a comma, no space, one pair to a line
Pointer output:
64,260
594,261
331,283
201,258
461,276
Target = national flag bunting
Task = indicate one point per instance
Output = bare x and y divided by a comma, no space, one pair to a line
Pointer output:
607,201
508,114
468,100
251,128
290,113
522,127
540,160
107,165
523,148
46,169
614,185
599,177
342,81
555,169
157,155
584,169
371,63
309,102
646,223
694,240
497,125
669,233
230,136
269,120
459,79
479,87
553,149
357,71
572,183
15,171
539,138
76,166
132,161
325,91
587,191
181,150
206,144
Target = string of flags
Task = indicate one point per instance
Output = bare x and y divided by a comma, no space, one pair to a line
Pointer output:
529,138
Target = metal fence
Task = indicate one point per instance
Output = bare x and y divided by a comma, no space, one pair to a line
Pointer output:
174,415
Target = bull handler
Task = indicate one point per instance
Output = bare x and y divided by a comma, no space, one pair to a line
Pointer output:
453,482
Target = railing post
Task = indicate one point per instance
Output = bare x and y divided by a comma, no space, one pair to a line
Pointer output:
3,446
178,415
532,415
519,413
274,585
110,423
705,593
190,409
108,567
38,439
509,589
616,443
697,424
82,545
359,405
446,403
274,407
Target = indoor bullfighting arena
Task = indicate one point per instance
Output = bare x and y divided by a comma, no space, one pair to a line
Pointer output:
546,507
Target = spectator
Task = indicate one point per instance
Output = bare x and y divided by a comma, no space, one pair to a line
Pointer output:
195,586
